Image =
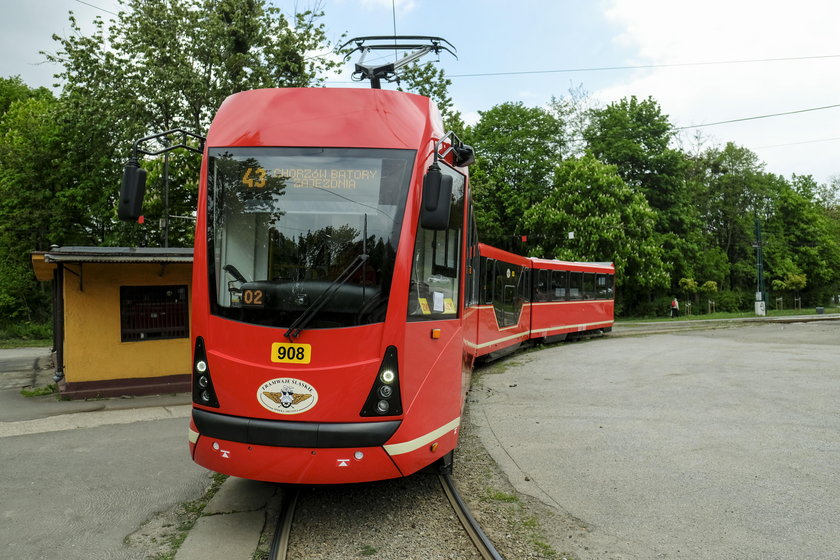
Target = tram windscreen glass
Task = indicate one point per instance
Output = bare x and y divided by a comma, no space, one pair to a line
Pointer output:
285,223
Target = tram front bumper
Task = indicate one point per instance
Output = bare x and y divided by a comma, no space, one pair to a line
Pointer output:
292,452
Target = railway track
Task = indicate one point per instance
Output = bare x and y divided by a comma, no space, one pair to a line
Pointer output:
280,542
471,526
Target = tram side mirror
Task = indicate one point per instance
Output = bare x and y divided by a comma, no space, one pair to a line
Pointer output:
437,199
133,189
464,155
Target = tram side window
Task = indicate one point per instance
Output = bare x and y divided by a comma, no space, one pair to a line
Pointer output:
433,289
588,285
525,284
542,287
604,286
558,285
575,285
507,295
472,295
488,272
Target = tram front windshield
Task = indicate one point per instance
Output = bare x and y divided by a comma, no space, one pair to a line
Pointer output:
294,230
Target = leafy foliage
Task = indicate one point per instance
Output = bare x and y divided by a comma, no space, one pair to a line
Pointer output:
518,150
610,220
160,64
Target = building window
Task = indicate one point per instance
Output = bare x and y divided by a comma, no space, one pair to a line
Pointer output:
153,312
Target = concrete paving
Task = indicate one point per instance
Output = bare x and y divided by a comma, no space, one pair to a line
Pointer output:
231,523
697,444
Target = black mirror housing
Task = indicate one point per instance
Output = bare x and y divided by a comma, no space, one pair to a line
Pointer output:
437,199
464,155
130,205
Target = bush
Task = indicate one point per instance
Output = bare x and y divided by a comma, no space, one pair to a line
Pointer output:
26,331
657,307
730,301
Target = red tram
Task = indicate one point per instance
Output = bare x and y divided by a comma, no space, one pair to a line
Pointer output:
340,295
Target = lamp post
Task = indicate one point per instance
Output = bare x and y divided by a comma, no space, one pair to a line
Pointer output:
760,293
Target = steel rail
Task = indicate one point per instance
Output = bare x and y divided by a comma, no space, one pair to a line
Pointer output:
283,530
471,526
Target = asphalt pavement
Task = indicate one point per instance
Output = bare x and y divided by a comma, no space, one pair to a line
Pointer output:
690,444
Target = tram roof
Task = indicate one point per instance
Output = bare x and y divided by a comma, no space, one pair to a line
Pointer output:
325,117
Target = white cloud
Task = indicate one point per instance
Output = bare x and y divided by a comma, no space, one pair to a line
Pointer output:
470,117
659,32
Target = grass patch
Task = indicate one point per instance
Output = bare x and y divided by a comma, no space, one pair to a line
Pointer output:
163,534
499,496
191,512
39,391
725,315
25,343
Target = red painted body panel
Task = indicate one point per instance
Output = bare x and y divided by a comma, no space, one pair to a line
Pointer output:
492,338
553,318
364,118
342,371
558,317
494,253
294,465
435,404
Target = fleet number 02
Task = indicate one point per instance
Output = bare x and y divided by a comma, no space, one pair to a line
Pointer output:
285,353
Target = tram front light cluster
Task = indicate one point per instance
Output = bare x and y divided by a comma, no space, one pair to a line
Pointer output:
384,397
203,392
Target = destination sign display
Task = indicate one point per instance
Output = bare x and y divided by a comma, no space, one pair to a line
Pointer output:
313,178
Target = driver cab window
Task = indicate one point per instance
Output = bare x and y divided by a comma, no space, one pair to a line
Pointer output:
433,290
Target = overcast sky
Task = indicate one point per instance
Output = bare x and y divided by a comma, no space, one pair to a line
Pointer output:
567,40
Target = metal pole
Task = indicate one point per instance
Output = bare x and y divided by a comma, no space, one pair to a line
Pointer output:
759,257
166,197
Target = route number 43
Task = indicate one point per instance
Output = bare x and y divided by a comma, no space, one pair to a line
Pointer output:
254,178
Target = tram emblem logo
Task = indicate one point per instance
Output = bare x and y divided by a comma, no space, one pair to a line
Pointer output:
287,395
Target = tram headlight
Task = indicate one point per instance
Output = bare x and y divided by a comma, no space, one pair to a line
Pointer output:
384,396
203,391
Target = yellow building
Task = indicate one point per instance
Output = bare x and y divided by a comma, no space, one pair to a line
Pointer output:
121,319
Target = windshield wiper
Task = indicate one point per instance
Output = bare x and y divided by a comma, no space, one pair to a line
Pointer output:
309,313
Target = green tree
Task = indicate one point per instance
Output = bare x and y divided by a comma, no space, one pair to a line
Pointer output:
13,89
159,64
163,64
636,137
801,241
611,221
689,287
733,191
36,209
574,111
517,151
